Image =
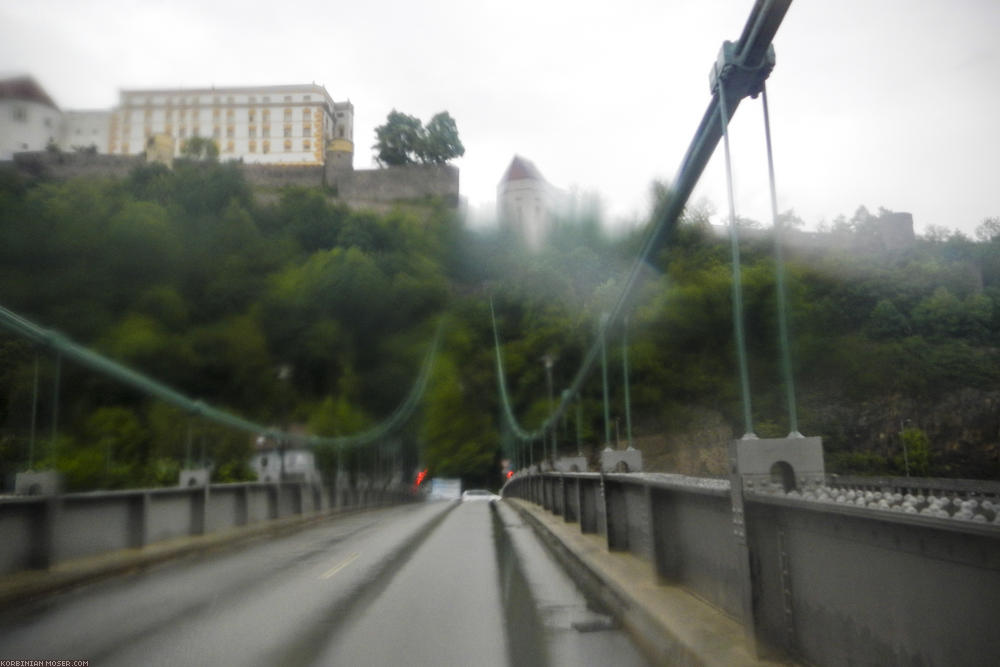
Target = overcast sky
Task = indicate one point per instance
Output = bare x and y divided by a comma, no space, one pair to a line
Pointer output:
888,103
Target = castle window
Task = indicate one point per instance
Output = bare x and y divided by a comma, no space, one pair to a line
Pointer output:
288,145
253,146
216,132
267,115
306,130
229,100
230,132
306,145
215,114
307,98
252,131
305,114
229,114
288,114
288,98
253,100
250,115
216,99
266,131
267,146
340,131
266,99
288,130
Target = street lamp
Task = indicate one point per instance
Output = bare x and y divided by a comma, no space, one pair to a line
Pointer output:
284,374
549,360
902,439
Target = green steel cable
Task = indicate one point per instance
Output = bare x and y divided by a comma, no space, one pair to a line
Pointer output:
752,56
734,242
405,409
64,347
779,268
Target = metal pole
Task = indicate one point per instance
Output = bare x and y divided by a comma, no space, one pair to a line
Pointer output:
579,420
187,449
628,402
604,377
55,402
548,360
34,418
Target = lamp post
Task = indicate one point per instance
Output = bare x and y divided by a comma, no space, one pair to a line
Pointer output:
284,374
628,402
902,439
604,374
549,360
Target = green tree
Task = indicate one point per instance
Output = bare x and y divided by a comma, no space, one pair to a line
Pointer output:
404,140
201,149
918,451
399,140
461,441
441,142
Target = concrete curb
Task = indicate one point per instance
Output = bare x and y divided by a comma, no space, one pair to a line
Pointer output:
28,584
671,626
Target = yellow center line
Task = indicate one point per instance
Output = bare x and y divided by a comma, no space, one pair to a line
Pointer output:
339,566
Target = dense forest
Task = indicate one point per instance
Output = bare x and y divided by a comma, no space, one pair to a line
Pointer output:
293,310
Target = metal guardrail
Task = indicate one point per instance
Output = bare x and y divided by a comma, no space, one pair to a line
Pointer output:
828,584
41,531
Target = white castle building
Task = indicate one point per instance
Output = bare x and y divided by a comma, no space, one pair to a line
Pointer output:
29,119
291,124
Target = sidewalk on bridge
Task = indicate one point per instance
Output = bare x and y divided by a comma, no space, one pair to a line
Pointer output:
669,624
27,584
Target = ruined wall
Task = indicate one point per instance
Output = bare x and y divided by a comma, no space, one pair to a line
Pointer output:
272,175
395,183
59,165
368,187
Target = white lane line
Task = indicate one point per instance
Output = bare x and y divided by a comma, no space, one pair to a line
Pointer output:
339,566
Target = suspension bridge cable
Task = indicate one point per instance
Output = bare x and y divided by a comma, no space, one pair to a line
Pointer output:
779,267
403,411
65,347
734,243
745,65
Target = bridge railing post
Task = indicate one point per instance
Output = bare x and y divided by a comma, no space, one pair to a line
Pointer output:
615,513
138,520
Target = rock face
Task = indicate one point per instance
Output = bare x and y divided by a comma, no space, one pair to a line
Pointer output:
962,431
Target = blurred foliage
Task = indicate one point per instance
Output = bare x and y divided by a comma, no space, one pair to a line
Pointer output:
298,310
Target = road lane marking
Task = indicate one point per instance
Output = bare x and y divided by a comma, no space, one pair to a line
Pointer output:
338,567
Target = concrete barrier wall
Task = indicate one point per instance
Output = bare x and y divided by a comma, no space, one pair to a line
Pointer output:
896,590
18,521
824,583
37,532
93,524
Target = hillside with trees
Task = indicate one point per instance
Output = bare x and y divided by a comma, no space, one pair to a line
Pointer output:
300,311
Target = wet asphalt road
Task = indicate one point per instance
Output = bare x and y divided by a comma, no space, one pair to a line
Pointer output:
430,584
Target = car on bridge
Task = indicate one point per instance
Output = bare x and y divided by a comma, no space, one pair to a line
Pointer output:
478,494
